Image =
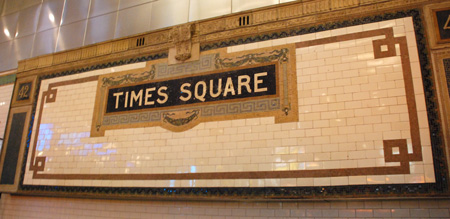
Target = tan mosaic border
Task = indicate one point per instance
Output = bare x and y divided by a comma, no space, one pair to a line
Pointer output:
403,157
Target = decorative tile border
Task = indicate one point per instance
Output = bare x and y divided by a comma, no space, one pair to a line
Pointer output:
207,111
403,156
206,63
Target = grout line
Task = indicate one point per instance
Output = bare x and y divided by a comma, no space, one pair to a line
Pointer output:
115,23
87,23
59,28
118,8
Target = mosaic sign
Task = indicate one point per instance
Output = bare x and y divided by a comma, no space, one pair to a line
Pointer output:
24,91
217,87
231,85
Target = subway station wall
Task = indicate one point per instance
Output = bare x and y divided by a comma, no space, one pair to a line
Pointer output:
284,102
322,114
30,28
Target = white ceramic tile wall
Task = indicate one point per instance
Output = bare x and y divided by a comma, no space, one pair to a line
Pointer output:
46,207
105,19
346,109
5,100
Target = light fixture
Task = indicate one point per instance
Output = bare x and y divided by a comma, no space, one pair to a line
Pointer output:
6,31
51,17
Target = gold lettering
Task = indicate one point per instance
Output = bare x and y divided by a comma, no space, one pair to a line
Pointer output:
446,27
257,82
211,88
135,97
246,83
149,95
117,95
126,99
229,87
23,92
162,94
200,97
185,91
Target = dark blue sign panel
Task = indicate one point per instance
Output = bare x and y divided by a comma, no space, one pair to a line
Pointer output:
443,23
230,85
